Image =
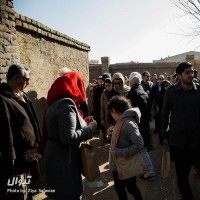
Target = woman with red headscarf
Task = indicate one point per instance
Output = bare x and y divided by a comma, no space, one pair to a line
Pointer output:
66,129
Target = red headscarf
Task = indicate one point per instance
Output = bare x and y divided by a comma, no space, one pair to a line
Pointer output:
70,85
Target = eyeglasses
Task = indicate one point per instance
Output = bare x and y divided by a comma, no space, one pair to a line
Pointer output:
25,79
118,83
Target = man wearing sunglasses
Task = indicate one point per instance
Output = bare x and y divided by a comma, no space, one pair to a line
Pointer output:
19,132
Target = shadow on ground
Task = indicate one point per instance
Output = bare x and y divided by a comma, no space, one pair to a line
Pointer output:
103,189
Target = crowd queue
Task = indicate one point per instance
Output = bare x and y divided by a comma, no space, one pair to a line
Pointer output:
172,101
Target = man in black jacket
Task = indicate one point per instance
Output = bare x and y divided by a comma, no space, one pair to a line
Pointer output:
181,111
20,132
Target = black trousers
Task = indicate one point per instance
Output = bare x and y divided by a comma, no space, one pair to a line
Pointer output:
184,159
129,184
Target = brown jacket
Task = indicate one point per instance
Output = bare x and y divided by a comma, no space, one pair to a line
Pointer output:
19,130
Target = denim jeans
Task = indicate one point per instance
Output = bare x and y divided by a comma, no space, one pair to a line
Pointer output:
149,163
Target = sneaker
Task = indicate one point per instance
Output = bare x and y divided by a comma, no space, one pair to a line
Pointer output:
148,178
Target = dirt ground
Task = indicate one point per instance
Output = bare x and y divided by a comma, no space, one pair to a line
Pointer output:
160,189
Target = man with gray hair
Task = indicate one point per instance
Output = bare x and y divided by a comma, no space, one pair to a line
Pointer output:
20,132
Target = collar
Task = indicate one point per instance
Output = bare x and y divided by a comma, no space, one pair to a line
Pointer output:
179,87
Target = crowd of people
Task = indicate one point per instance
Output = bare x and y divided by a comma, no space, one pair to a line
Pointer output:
172,101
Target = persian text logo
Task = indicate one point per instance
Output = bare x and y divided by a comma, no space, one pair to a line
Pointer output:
15,180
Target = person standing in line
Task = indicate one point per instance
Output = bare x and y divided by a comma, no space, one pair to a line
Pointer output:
181,111
138,98
129,143
196,78
66,129
119,84
147,85
159,103
20,132
106,118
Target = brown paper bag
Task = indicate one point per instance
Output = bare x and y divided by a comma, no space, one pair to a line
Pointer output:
90,168
165,168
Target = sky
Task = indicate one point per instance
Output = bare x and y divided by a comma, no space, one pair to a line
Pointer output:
124,30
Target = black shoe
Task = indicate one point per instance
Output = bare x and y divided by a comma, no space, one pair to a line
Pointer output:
148,178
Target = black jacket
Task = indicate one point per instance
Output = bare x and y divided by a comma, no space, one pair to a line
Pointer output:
181,110
139,98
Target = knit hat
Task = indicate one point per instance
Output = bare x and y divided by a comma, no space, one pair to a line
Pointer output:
182,66
135,78
70,85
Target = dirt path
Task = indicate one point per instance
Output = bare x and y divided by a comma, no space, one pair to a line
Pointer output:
160,189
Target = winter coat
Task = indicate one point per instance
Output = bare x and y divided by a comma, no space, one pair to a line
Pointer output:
130,140
20,132
66,129
182,107
139,98
106,117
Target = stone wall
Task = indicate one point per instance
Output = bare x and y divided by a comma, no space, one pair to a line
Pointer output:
45,51
126,68
8,43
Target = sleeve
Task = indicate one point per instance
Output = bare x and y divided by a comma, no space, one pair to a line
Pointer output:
133,137
166,109
102,110
6,137
69,134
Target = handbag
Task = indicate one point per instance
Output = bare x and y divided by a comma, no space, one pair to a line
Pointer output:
165,166
129,166
90,168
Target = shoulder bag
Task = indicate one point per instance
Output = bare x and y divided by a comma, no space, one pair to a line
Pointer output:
129,166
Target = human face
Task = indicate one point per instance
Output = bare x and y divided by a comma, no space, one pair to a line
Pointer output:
187,76
108,86
146,77
99,81
114,115
118,83
22,81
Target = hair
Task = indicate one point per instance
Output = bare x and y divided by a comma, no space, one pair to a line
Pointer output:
16,69
144,73
195,71
119,103
165,82
182,66
107,80
161,77
64,70
106,75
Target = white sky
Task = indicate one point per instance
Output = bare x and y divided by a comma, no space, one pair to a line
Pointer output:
124,30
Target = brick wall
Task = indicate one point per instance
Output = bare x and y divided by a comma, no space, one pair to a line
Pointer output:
44,50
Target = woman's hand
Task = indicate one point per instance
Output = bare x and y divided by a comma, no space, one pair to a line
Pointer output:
93,125
110,130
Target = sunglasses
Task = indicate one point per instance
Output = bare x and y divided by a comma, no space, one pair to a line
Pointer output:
118,83
24,78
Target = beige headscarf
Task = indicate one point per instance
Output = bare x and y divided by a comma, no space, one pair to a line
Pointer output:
125,89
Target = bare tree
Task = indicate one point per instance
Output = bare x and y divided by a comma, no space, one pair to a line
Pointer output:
190,8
